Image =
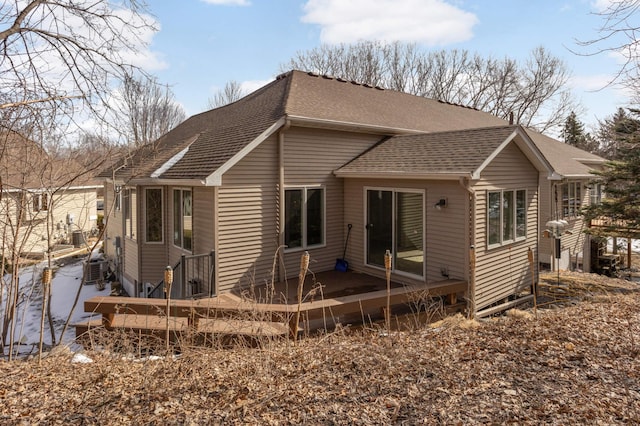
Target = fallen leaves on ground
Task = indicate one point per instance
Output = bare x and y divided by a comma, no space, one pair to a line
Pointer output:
576,365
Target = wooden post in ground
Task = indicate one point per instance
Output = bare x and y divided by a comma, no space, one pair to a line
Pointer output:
387,313
304,267
168,280
472,283
46,281
534,287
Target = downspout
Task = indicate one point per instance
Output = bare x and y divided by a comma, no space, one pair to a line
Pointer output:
280,206
471,291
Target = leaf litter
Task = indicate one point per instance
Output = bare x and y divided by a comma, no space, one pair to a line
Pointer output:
565,363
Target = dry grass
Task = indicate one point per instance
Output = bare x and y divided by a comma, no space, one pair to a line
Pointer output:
579,364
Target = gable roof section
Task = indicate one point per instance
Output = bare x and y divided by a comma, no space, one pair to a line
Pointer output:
318,99
205,146
441,155
568,161
209,139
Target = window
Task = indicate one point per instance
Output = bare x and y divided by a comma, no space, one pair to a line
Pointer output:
595,194
571,199
506,216
129,201
182,218
304,217
40,202
153,215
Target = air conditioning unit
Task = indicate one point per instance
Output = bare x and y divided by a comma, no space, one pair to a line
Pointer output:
94,271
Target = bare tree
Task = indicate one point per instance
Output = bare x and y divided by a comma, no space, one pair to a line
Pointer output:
231,92
59,61
534,91
619,34
149,110
56,53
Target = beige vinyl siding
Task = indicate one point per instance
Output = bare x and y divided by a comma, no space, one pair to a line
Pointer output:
203,219
311,156
503,271
445,233
113,222
247,218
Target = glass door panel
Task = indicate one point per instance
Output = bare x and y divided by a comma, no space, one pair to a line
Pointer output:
379,225
409,250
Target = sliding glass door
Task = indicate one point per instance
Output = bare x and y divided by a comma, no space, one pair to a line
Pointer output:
395,222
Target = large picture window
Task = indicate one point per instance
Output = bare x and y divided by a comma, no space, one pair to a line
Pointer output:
183,218
153,215
506,216
304,217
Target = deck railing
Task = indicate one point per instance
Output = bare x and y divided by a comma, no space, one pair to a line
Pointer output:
193,278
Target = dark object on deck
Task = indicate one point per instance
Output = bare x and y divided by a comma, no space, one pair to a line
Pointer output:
341,264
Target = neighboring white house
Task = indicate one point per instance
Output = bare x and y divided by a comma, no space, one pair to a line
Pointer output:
45,201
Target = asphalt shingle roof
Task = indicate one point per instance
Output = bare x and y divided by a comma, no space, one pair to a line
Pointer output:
455,152
215,136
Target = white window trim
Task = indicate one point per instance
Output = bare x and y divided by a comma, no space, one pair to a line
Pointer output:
304,245
393,230
162,223
516,239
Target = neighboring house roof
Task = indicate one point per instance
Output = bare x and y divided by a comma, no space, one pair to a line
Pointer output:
453,154
203,147
25,165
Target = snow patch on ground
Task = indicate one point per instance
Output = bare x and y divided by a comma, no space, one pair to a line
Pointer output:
67,278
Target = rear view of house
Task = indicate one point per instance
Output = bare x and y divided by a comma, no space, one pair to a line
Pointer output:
232,197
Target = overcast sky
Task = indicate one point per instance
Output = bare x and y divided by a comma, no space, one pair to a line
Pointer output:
202,44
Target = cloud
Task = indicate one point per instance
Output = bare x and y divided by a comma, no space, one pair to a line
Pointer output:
430,22
590,82
228,2
601,5
253,85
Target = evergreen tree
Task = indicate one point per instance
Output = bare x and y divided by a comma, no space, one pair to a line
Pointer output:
573,134
614,131
621,177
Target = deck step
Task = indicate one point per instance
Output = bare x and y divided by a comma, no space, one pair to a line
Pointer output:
154,324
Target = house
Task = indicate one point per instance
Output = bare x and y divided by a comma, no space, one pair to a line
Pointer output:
562,199
47,202
452,192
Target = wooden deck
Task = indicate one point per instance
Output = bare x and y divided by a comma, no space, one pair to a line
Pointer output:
262,311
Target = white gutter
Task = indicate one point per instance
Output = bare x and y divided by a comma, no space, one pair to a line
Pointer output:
471,290
281,193
403,175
